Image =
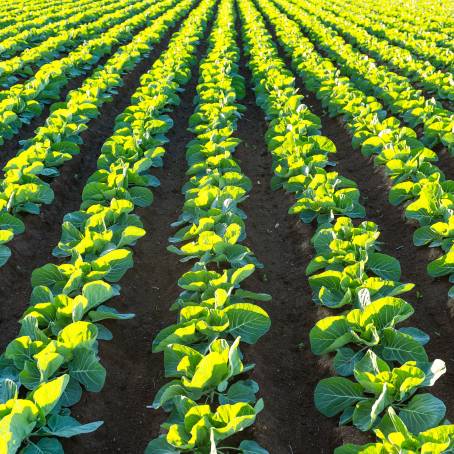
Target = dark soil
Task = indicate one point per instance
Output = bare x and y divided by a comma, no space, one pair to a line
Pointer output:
34,248
445,162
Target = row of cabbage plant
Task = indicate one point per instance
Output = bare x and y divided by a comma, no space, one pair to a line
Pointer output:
423,16
27,176
395,91
33,37
426,16
45,369
71,32
422,72
24,101
382,367
416,182
26,17
429,45
210,397
27,8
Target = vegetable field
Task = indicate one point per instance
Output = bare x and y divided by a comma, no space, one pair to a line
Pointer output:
226,226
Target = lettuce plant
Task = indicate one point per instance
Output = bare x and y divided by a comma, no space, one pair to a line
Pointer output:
377,388
370,327
201,431
395,437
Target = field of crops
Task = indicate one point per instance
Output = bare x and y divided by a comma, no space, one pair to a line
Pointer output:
226,226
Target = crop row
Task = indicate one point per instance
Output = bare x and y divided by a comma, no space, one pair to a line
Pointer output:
29,40
423,16
389,364
55,355
26,183
416,181
420,71
73,31
22,102
18,8
32,16
423,48
395,91
207,398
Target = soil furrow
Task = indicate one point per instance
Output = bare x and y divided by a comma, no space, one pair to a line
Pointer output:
445,161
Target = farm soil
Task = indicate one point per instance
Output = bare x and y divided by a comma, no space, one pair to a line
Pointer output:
445,162
286,370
